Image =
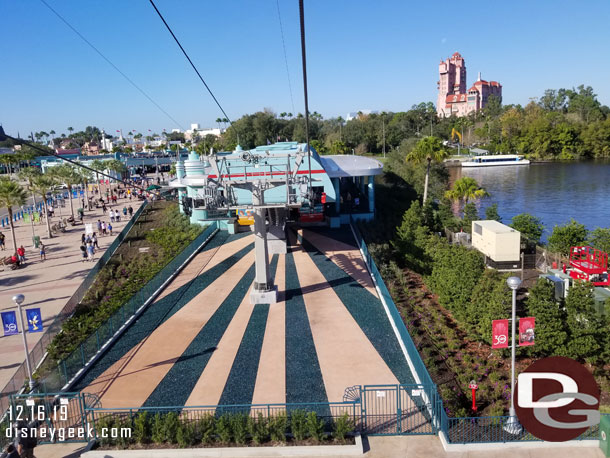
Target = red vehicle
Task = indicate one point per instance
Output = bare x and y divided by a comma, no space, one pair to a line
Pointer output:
589,264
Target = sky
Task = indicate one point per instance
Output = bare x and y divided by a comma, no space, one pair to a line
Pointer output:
361,54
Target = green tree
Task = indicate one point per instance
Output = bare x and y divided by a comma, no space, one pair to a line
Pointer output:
600,238
411,236
491,213
551,334
43,185
491,300
470,214
531,228
466,189
455,272
11,195
584,324
67,175
428,149
566,236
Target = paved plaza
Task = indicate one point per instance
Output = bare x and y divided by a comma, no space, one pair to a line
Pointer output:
327,332
47,284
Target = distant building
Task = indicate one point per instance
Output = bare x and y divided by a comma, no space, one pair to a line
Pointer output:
357,114
91,149
453,98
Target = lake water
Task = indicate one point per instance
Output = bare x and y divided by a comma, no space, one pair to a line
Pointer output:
553,192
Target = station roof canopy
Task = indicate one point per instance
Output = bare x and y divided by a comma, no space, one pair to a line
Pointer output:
350,166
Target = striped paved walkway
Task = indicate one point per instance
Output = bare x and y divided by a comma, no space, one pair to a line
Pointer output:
328,331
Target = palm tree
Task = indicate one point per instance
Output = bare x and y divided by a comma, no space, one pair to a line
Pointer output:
99,166
7,161
114,165
218,120
28,174
465,189
43,185
70,129
52,133
69,176
85,176
427,149
11,195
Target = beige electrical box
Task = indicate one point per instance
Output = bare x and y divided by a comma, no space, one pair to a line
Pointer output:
496,240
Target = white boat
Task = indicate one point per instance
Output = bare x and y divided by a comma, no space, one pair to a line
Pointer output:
494,160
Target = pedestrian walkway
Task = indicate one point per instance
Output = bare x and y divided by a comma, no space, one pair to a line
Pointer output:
389,447
48,284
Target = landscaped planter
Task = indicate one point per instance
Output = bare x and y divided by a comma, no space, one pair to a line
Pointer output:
299,450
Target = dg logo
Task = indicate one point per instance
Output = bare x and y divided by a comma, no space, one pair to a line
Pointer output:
557,399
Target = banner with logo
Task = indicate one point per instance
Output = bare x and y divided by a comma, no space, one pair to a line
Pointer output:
34,318
499,334
526,331
9,323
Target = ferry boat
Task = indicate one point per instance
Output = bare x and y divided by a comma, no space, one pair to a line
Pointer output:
495,160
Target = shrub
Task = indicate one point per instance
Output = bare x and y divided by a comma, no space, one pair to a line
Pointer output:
315,427
298,425
185,435
141,428
342,426
104,422
239,426
157,435
124,440
277,427
259,429
206,428
170,427
223,428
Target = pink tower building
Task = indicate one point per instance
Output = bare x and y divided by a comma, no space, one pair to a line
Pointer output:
453,98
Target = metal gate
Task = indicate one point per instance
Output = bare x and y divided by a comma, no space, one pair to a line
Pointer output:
400,409
57,417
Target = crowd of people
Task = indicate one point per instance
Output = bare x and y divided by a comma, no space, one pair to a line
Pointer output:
89,241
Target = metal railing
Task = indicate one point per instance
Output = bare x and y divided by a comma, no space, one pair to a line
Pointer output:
473,430
88,349
37,353
418,365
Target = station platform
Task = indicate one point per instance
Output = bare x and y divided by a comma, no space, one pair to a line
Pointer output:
202,343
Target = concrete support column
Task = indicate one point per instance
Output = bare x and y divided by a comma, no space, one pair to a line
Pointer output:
263,291
371,193
337,185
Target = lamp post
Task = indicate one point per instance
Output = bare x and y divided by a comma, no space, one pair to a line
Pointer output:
18,299
513,426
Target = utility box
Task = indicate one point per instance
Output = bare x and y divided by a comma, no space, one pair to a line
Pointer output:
604,435
497,241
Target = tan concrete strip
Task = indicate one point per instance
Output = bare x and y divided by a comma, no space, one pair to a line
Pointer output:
100,384
345,354
209,387
205,260
345,256
155,357
270,384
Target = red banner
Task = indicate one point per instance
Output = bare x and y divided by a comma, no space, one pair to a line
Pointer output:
526,331
499,334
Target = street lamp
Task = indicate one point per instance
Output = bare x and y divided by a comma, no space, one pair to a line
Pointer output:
18,299
513,426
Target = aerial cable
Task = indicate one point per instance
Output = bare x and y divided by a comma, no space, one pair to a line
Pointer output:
303,56
190,61
285,57
111,64
4,136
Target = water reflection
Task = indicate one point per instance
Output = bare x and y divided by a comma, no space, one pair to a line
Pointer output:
554,192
